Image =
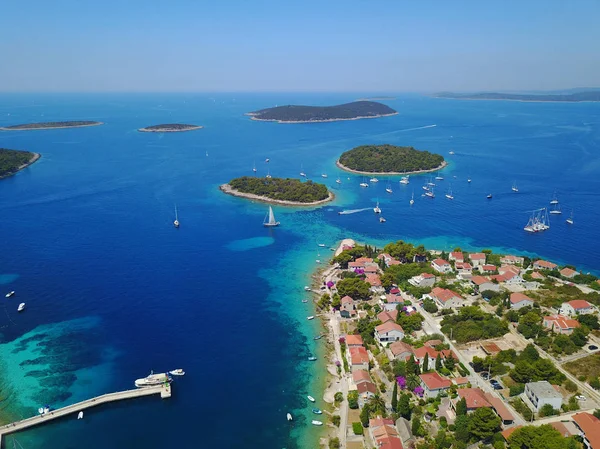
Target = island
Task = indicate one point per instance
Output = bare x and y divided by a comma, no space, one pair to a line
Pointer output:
11,161
169,128
50,125
570,98
389,160
317,114
287,192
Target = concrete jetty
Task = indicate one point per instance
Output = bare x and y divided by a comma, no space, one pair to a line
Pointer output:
163,390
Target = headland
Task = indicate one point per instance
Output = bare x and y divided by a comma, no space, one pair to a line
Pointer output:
561,98
169,128
285,192
318,114
12,161
50,125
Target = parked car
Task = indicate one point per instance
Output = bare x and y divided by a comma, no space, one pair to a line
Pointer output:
592,347
581,398
495,384
484,375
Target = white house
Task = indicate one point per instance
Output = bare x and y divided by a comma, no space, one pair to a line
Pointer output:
422,280
576,307
347,309
542,393
544,265
519,300
441,266
568,273
434,384
512,260
561,324
456,256
446,298
477,259
391,302
463,269
388,332
484,284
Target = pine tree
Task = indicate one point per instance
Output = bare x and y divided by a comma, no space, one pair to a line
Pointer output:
426,363
416,426
395,397
411,365
364,416
438,363
404,406
461,407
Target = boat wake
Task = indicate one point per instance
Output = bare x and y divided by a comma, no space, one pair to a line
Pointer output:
353,211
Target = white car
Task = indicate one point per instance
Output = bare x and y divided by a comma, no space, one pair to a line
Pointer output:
581,398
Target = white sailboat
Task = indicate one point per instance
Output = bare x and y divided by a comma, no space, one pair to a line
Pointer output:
431,183
289,417
555,209
268,174
271,222
430,193
302,172
412,198
449,194
570,219
439,177
514,187
176,222
554,199
404,180
469,180
364,183
339,181
376,209
388,189
373,180
538,221
254,167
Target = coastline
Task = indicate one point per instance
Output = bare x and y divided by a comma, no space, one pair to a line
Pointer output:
35,157
519,101
444,164
164,130
253,117
226,188
51,127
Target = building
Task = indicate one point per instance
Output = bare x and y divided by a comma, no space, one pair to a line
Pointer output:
512,260
519,300
441,266
446,298
422,280
508,274
568,273
542,393
463,269
576,307
477,259
456,256
354,340
422,352
433,384
359,358
474,398
347,309
483,284
384,433
561,324
388,332
399,350
386,316
589,426
490,348
375,282
392,302
365,390
538,276
544,265
487,268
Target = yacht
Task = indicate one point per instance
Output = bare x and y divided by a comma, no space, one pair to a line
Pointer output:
570,219
538,221
176,222
289,416
382,220
21,307
439,177
80,415
489,196
449,194
404,180
514,187
364,184
373,180
554,199
426,187
43,410
324,175
555,210
311,317
9,294
314,422
254,168
177,372
430,194
469,180
451,153
339,181
412,199
312,358
388,189
376,209
268,175
431,183
302,172
152,379
316,411
318,337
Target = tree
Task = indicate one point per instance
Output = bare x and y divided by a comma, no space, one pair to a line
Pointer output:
438,362
450,363
461,407
415,426
442,441
404,406
356,288
591,321
530,324
410,323
548,410
579,337
365,415
412,367
377,405
335,419
334,443
395,397
336,302
539,437
522,372
353,399
412,381
543,369
484,423
426,363
429,306
529,354
478,364
461,428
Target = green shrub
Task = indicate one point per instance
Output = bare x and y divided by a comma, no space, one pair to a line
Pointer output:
335,419
357,428
334,443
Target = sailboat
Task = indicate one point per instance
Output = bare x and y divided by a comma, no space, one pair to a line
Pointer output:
514,187
302,172
364,183
554,199
412,198
538,221
254,167
268,174
570,219
324,175
373,179
449,194
376,209
176,222
405,180
555,209
439,177
430,193
469,180
388,189
271,216
431,183
339,181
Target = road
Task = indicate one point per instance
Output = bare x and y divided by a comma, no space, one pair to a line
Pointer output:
334,325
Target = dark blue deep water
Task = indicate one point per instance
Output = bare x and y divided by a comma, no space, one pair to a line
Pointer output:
113,290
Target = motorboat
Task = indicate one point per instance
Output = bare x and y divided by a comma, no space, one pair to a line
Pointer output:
364,184
314,422
382,220
176,222
322,245
306,288
404,180
152,379
311,317
80,415
489,197
324,175
373,180
9,294
312,358
339,181
310,398
412,199
318,337
430,194
43,410
305,301
289,417
177,372
316,411
376,209
451,153
21,307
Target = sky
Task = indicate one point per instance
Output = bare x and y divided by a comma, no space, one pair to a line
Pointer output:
288,45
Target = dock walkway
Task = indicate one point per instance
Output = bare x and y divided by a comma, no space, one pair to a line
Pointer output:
163,390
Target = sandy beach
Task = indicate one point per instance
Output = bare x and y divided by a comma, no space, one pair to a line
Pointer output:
226,188
35,157
253,117
343,167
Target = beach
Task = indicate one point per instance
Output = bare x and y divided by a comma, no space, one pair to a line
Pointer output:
343,167
226,188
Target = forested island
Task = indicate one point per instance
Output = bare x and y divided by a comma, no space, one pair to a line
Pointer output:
11,161
574,97
51,125
314,114
169,128
289,192
389,159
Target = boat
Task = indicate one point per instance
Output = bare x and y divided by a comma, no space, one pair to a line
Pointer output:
302,172
469,180
404,180
451,153
267,160
439,177
305,301
324,175
318,261
316,411
176,222
426,187
207,154
388,189
311,317
80,415
268,175
152,379
312,359
373,180
21,307
43,410
514,187
310,398
381,220
570,219
554,199
289,417
322,245
318,337
364,183
376,209
177,372
254,167
9,294
431,183
412,199
555,210
430,194
339,181
271,219
306,288
449,194
538,221
489,196
314,422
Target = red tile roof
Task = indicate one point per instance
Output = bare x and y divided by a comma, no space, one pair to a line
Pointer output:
433,343
347,299
508,432
433,381
360,375
537,275
477,256
463,266
427,275
440,262
371,270
480,280
364,260
443,294
499,407
474,398
420,352
489,267
389,443
388,326
374,280
516,298
398,347
460,380
457,255
359,355
590,425
545,264
366,387
354,340
379,421
560,322
387,316
490,348
579,304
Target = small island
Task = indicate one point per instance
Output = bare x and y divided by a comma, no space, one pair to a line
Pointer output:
50,125
317,114
569,98
169,128
287,192
11,161
389,160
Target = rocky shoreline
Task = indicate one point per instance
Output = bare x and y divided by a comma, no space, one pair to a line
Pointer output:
169,130
35,128
226,188
35,157
343,167
252,117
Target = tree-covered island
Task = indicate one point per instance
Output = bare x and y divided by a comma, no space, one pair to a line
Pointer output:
389,159
11,161
314,114
169,128
569,98
51,125
289,192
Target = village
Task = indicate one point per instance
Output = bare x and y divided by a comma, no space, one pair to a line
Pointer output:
464,350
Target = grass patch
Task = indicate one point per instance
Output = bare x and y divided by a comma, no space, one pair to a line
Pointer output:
587,366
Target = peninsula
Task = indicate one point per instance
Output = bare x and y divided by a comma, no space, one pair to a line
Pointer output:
389,160
50,125
287,192
11,161
169,128
569,98
316,114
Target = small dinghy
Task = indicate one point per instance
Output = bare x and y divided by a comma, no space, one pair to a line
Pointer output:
310,317
312,358
9,294
305,301
80,415
314,422
318,337
289,417
306,288
316,411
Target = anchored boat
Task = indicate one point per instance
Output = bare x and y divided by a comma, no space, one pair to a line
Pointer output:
9,294
152,379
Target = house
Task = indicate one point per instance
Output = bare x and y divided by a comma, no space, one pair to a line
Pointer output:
542,393
392,302
360,375
422,280
456,256
399,350
434,384
477,259
568,273
476,398
366,390
441,266
446,298
537,275
544,265
461,381
371,270
359,358
375,282
433,343
519,300
354,340
483,284
589,426
509,274
347,309
423,351
487,268
463,268
386,316
576,307
388,332
512,260
561,324
501,410
383,432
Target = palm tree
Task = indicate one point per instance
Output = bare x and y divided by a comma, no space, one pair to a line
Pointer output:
377,405
412,381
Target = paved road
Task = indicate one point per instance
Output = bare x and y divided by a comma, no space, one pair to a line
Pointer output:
334,325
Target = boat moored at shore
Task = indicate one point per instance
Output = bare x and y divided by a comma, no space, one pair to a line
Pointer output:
152,379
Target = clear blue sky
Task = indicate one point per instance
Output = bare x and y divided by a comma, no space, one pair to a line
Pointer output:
281,45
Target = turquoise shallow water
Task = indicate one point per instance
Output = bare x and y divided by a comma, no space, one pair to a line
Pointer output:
113,290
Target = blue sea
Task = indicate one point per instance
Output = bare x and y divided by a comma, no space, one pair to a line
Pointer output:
114,291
